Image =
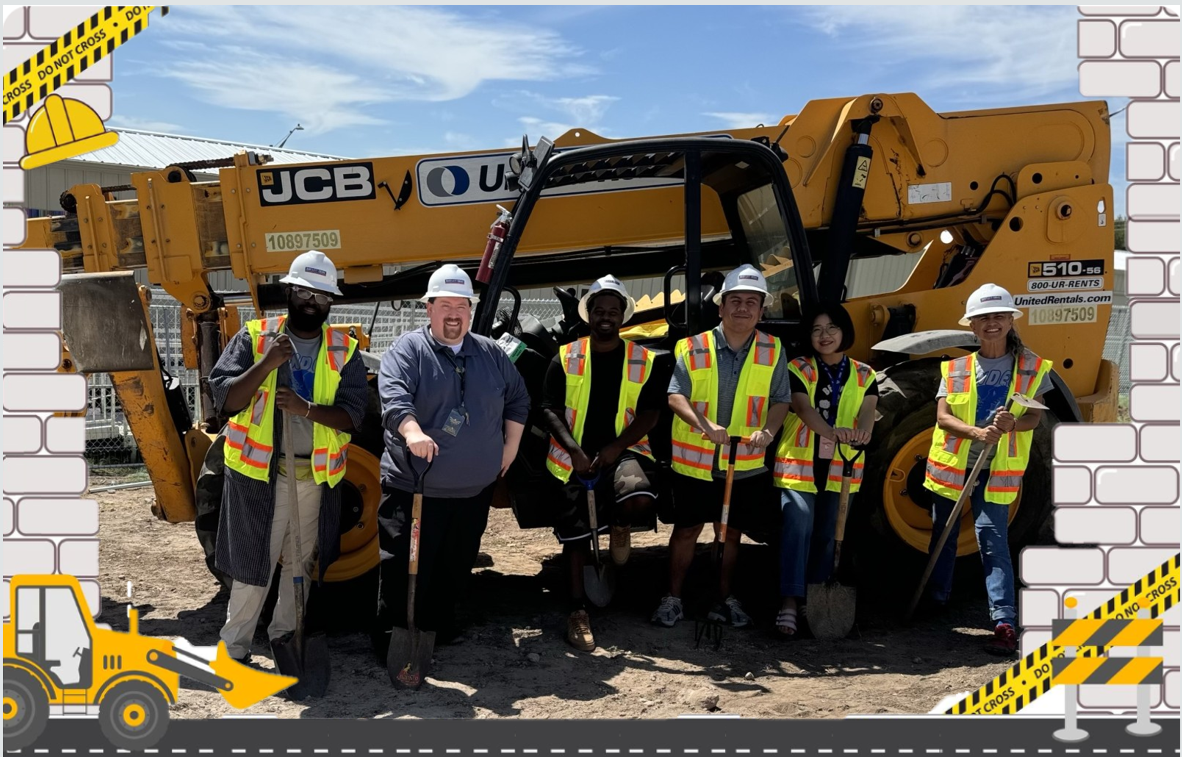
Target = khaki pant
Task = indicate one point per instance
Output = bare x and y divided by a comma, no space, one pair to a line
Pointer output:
246,601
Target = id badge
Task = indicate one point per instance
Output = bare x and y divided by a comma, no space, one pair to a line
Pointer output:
825,449
455,420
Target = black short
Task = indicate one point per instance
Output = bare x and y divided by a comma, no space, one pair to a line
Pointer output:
633,476
755,503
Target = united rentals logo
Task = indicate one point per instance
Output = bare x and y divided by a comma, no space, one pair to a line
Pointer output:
315,270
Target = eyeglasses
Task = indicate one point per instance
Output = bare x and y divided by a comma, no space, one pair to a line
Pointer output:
305,294
829,330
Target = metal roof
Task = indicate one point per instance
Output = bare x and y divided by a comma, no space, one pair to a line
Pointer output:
150,149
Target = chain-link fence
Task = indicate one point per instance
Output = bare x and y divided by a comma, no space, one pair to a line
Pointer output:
109,439
1116,347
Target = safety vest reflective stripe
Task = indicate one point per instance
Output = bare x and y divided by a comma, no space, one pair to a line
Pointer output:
338,347
797,470
559,456
699,352
637,364
268,331
321,460
863,374
837,468
805,366
755,407
946,474
1004,481
958,376
803,433
952,444
576,359
703,408
260,406
693,455
765,351
747,453
1027,372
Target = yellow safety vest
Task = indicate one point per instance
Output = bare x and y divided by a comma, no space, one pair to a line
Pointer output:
794,456
250,433
576,364
694,456
949,455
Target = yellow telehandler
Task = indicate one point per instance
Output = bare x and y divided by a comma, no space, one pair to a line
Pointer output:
1015,196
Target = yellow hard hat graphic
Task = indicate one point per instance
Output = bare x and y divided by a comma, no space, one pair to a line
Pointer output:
63,129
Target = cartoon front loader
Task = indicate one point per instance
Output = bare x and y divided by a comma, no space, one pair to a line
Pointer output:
58,663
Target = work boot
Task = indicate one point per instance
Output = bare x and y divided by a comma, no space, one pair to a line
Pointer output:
578,631
621,544
1004,642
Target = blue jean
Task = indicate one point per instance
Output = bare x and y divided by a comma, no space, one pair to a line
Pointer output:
991,522
807,539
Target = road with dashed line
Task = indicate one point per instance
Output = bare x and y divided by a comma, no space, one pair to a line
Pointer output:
690,737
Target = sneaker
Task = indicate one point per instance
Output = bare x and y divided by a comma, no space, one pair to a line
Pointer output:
621,544
669,611
578,631
737,618
1004,642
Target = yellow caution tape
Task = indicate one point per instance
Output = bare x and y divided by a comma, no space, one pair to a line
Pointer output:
71,54
1031,677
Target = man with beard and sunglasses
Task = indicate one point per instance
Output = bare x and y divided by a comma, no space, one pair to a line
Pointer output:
454,400
600,400
295,364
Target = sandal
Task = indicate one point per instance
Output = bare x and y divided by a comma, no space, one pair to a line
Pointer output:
786,619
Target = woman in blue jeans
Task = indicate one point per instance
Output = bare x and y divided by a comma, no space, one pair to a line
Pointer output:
971,420
833,402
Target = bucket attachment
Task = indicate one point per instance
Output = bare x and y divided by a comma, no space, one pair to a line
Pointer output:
105,324
248,686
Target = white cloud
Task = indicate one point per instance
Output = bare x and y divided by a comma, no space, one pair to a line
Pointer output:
742,120
144,124
565,113
971,52
323,66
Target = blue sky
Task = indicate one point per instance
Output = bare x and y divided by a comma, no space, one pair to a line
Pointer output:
371,81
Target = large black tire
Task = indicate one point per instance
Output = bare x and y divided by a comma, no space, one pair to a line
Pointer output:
26,708
907,409
133,715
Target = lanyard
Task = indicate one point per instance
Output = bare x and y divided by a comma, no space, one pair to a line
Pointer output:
458,363
835,386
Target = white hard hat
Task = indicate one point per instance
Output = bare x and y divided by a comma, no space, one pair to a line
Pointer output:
608,283
450,281
745,278
313,270
989,298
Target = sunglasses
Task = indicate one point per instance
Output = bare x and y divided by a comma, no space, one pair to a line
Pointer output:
305,294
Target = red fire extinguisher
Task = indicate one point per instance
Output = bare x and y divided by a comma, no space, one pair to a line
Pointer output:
496,235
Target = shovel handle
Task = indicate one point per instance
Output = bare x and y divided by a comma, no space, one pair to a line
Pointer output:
732,451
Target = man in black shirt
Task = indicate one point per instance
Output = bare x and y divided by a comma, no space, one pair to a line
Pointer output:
600,401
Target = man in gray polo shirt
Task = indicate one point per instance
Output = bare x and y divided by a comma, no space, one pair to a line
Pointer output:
453,399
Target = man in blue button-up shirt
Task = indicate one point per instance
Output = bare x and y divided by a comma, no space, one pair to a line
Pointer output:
452,399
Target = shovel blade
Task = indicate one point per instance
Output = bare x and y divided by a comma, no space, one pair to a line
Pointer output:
832,609
599,584
248,686
409,660
1019,399
305,659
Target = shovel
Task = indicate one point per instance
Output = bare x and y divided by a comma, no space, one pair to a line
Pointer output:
409,657
965,493
832,605
297,655
707,627
599,582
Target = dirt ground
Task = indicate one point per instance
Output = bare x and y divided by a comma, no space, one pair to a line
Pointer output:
513,660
